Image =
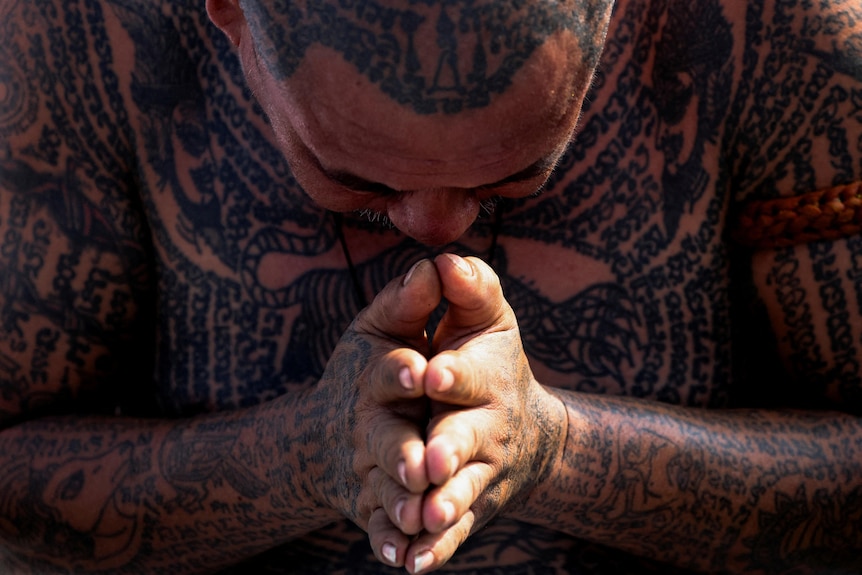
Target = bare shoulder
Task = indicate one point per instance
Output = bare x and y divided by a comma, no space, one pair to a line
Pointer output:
74,251
798,119
795,141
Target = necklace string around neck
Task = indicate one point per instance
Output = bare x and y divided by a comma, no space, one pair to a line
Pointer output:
345,249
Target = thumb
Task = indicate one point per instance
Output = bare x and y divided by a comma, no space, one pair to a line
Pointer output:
402,309
475,298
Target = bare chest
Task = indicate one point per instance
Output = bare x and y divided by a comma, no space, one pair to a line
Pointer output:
617,272
609,299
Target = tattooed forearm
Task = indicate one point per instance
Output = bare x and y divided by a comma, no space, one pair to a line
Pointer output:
717,491
127,496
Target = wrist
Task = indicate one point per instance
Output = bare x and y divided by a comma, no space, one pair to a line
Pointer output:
552,428
298,467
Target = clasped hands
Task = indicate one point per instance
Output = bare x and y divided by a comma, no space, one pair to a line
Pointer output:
434,439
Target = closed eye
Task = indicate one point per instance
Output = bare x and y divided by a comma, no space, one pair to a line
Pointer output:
531,172
357,184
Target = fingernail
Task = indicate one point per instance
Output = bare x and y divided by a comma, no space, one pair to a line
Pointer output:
461,264
422,561
389,552
409,275
447,380
448,512
406,378
402,472
399,510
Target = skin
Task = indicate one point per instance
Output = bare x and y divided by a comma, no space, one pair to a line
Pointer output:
441,176
190,378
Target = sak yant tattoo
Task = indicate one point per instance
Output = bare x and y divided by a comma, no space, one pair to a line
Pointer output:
478,47
149,200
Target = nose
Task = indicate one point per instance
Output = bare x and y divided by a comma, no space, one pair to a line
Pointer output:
434,217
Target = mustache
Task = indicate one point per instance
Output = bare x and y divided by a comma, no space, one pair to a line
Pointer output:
486,208
376,218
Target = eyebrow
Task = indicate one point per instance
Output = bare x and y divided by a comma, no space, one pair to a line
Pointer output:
356,183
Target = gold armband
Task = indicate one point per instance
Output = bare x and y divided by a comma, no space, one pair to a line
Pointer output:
828,214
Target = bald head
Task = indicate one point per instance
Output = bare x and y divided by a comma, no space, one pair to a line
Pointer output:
431,56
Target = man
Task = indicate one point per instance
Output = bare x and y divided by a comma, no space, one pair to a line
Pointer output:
645,356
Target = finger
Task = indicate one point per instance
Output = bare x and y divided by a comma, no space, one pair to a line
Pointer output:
395,436
401,310
456,438
397,375
445,506
475,299
397,447
403,508
471,376
432,550
387,541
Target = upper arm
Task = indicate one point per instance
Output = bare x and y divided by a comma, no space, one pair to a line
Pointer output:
799,130
813,295
71,258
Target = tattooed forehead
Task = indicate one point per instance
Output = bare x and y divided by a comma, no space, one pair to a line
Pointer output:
475,47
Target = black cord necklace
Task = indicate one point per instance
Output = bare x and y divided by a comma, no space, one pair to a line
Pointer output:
359,291
354,275
496,228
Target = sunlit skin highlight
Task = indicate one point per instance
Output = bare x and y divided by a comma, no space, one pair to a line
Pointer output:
205,371
436,171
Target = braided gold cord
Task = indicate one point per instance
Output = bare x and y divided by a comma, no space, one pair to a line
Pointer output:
828,214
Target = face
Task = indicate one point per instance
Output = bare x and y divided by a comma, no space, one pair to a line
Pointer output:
352,148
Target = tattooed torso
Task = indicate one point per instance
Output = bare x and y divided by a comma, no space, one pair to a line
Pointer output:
159,253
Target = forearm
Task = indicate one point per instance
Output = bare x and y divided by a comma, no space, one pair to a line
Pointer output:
711,490
145,496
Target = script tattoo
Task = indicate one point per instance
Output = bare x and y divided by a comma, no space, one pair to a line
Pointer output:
496,38
800,95
655,327
72,249
18,97
630,185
